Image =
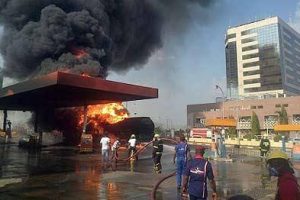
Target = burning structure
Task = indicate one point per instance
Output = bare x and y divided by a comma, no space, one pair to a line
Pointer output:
43,38
48,97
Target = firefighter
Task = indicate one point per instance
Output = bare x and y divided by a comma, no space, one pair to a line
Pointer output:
264,147
157,153
114,153
132,146
287,186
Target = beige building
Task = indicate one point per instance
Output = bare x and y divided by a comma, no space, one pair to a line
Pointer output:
262,59
241,110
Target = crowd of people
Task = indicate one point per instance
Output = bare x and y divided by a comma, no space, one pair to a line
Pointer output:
193,172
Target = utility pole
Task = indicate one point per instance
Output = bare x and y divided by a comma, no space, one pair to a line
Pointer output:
223,99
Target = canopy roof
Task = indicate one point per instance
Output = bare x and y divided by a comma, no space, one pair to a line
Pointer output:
287,127
221,122
60,89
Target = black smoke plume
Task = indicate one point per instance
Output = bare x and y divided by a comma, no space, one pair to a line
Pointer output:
94,36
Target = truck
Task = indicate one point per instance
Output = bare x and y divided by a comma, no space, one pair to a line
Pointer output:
201,133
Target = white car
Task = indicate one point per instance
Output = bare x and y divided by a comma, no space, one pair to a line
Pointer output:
296,140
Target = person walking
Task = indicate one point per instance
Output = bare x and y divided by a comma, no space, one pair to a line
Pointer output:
132,147
181,155
197,172
264,147
105,143
158,149
114,153
287,186
214,148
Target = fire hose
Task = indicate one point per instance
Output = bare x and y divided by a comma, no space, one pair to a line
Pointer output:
153,192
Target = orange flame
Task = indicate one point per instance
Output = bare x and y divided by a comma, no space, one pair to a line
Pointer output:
79,53
105,113
85,74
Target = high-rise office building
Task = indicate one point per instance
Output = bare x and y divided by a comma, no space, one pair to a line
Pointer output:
262,58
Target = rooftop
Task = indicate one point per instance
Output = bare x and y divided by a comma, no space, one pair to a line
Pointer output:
60,89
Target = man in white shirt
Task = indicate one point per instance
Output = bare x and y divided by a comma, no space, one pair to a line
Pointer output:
132,146
105,143
114,152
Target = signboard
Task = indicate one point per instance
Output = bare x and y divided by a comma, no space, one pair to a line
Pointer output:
200,133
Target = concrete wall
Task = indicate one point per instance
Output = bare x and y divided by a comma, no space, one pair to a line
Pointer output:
246,143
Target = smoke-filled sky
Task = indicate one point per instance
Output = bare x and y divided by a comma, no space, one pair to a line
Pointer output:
174,45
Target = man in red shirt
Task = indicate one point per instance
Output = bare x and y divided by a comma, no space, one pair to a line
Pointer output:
278,165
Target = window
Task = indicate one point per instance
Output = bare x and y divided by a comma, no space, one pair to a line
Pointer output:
248,48
251,64
253,107
249,56
251,81
246,40
285,105
249,73
277,105
260,107
233,35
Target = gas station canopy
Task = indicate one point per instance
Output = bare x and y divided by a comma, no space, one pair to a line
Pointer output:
286,127
61,89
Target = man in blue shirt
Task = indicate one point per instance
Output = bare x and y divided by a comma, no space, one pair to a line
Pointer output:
195,177
182,151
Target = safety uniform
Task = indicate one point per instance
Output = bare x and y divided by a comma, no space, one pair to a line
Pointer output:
132,147
264,147
156,154
198,170
181,150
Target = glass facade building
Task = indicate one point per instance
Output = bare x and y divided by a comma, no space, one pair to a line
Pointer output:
262,59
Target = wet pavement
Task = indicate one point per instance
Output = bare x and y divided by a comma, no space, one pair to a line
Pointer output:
63,173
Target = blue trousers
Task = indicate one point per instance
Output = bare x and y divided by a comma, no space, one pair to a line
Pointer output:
180,168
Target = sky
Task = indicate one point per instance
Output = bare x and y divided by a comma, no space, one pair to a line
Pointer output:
192,59
189,66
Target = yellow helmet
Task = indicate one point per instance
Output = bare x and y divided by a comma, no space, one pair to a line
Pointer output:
156,135
277,154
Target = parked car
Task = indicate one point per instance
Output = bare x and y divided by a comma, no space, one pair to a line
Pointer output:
29,141
296,140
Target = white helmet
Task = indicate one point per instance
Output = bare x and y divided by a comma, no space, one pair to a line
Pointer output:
132,136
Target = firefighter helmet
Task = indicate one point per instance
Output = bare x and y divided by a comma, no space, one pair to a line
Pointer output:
132,136
277,154
156,135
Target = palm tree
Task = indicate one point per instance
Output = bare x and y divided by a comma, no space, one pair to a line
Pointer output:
282,115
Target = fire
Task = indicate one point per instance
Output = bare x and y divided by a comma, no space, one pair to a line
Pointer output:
106,113
84,74
79,53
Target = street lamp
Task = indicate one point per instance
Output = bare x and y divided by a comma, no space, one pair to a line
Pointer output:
223,97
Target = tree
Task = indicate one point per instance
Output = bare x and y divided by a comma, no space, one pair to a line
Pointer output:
232,132
282,115
255,127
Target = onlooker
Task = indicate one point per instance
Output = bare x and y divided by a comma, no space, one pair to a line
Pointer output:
287,186
264,147
214,148
195,177
182,153
157,153
105,142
